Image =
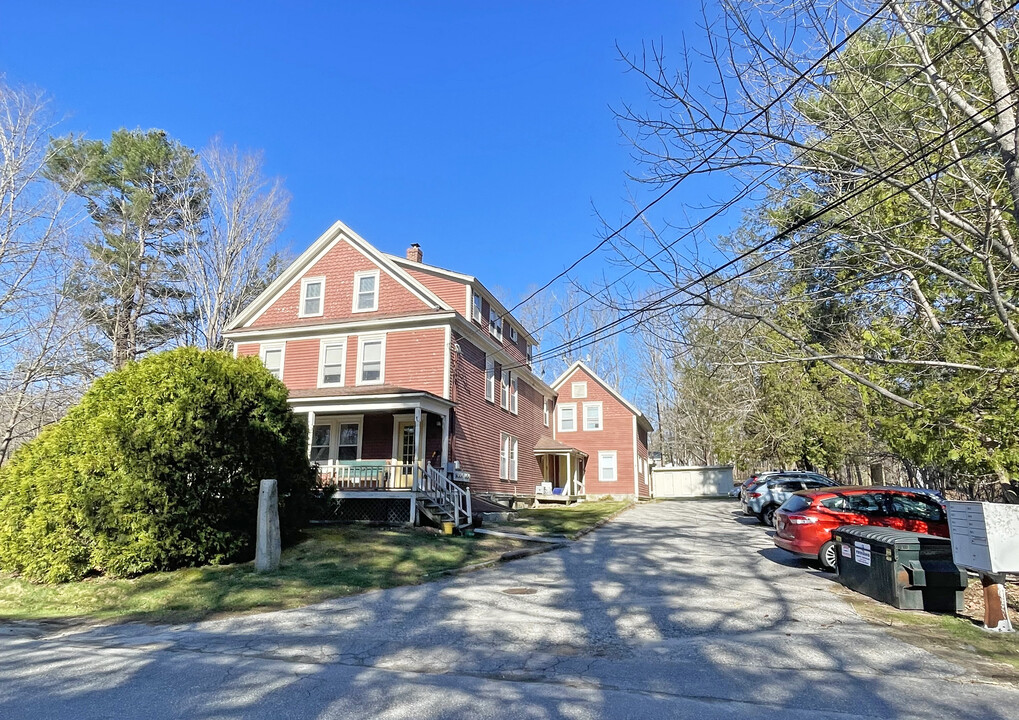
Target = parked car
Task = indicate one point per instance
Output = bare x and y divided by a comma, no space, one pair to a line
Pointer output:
764,499
805,521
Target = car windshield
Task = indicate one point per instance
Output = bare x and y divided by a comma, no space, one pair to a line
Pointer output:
796,503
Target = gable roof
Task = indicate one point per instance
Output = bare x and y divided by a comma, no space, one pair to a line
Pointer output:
467,280
580,365
339,232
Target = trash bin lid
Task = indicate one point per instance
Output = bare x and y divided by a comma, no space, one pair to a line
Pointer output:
888,537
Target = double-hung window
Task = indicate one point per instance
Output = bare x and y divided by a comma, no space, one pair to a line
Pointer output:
513,394
513,334
607,466
545,409
495,324
476,312
508,457
567,417
592,416
332,362
490,379
320,443
272,358
504,399
366,291
371,357
312,294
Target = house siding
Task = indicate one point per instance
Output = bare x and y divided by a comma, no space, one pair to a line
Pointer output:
338,266
478,425
452,292
616,436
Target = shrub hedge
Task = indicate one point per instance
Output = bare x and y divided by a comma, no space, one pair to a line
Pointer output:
157,467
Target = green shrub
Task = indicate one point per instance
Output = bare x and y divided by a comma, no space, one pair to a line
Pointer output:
157,467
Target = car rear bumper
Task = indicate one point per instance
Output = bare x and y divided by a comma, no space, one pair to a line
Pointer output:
807,549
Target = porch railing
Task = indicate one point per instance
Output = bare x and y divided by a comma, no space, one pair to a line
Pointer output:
368,475
447,494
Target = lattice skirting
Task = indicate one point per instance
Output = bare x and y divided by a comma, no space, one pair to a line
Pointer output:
372,510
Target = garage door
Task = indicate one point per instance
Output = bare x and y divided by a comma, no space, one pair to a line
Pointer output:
691,481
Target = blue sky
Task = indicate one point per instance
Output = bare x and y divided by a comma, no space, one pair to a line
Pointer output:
481,130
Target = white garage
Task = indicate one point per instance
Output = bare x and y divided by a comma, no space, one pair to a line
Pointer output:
670,481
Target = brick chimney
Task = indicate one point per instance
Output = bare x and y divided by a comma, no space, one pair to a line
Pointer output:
414,253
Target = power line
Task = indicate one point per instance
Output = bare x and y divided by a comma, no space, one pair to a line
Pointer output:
757,116
760,181
596,336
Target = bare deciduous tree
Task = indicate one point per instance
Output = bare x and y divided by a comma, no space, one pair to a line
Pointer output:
230,253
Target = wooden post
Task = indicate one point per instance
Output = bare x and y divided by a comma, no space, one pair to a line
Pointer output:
995,603
569,471
417,482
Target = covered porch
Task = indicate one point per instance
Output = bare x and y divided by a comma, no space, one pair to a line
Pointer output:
562,471
386,445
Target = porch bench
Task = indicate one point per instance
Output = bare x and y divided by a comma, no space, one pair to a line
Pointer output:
357,473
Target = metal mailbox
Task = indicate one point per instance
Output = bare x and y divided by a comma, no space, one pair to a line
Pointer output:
985,536
908,570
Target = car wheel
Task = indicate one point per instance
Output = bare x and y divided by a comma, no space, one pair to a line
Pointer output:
768,515
829,556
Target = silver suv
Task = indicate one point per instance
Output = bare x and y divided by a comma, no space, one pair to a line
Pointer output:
767,497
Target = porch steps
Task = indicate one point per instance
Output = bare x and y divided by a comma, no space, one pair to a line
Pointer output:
437,513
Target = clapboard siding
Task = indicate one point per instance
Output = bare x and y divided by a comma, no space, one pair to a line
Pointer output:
338,266
478,425
452,292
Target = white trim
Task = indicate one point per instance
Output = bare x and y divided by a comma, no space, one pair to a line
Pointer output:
480,338
509,457
334,422
559,417
579,364
490,378
471,294
636,477
282,347
361,340
514,337
601,416
370,403
305,282
309,332
514,399
419,443
336,233
357,291
468,305
615,465
447,362
546,411
322,345
504,389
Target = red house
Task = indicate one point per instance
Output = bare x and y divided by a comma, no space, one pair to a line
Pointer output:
416,382
612,434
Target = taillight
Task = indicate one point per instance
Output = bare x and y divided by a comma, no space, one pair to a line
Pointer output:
755,495
801,519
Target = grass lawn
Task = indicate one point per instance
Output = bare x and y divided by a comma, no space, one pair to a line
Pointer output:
330,562
561,520
957,638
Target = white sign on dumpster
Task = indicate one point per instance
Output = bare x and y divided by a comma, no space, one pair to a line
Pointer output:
985,536
862,554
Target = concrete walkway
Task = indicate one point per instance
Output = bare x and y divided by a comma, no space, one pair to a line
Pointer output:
672,610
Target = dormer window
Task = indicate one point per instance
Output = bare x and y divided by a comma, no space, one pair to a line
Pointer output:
476,314
495,324
312,291
366,291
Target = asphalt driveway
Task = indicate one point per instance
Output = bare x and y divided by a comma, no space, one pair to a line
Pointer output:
671,610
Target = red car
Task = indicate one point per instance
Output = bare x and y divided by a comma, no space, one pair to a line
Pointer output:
805,521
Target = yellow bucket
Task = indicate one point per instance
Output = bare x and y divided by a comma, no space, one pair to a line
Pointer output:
447,528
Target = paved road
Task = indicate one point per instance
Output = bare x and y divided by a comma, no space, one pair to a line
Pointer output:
672,610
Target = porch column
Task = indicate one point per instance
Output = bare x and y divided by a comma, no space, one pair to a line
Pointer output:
418,465
445,440
569,473
311,429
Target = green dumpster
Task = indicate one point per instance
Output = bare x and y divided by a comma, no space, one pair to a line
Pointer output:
908,570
